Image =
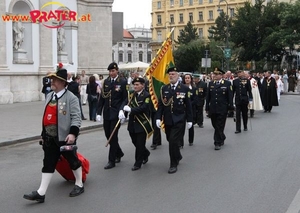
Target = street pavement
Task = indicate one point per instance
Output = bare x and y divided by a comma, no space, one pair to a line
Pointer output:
255,172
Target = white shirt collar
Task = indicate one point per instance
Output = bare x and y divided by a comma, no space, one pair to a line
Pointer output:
175,84
140,92
59,94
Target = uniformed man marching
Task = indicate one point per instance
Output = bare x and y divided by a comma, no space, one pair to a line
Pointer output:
139,125
201,93
112,100
218,102
175,109
243,97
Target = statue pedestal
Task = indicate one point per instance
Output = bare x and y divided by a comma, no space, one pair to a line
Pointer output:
62,57
20,56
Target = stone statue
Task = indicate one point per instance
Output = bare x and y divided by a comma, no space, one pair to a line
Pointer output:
61,39
18,31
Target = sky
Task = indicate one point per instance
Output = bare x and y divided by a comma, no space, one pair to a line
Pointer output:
136,13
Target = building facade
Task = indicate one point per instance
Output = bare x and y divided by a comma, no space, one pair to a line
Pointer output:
133,47
28,49
167,14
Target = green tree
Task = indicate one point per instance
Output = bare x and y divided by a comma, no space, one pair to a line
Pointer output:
188,56
218,31
286,36
251,29
188,34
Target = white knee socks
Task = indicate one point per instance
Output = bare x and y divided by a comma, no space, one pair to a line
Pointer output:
78,176
46,178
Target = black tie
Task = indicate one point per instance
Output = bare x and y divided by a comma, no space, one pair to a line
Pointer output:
112,81
55,98
173,87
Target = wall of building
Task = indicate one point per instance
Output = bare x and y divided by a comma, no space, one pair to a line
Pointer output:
88,46
166,8
139,44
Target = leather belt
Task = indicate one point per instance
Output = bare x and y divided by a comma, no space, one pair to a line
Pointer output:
51,130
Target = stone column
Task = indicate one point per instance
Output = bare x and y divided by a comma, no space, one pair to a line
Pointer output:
94,37
3,65
6,96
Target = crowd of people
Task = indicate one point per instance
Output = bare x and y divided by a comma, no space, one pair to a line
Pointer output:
181,107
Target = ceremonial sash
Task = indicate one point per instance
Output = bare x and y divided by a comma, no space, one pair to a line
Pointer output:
142,118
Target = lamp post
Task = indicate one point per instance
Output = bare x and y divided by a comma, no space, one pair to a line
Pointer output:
227,50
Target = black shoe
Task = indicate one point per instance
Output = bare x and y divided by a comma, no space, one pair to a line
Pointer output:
146,160
118,159
179,159
181,147
35,197
217,147
134,168
153,146
172,170
83,118
201,126
245,129
190,144
109,165
77,190
237,131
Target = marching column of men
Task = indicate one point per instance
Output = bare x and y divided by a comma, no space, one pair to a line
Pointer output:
139,125
174,111
112,101
201,95
243,97
218,102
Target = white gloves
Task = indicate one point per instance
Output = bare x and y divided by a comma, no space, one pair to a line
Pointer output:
121,115
158,123
127,108
189,125
250,102
122,120
98,118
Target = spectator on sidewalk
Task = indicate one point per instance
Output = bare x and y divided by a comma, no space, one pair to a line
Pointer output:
93,92
46,84
84,80
292,83
74,87
285,81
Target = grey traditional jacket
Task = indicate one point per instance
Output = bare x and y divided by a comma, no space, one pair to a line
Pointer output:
68,114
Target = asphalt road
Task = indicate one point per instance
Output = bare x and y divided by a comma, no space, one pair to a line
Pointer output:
257,171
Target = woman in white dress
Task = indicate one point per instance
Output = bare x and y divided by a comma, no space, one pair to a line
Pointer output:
279,86
256,103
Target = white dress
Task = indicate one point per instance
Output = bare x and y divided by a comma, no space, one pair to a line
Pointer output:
279,88
256,103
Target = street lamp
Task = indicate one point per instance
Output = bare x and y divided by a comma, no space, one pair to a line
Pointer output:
227,51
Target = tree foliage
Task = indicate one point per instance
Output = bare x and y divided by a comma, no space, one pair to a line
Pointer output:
188,56
264,32
218,32
188,34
